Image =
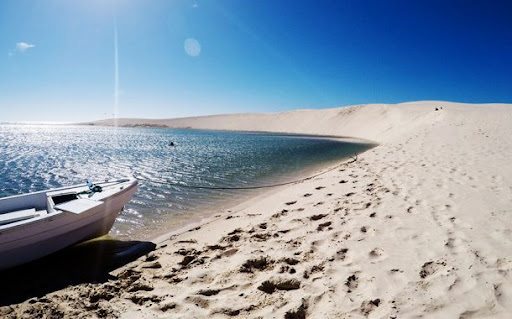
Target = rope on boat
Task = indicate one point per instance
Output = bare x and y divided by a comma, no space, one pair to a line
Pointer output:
353,159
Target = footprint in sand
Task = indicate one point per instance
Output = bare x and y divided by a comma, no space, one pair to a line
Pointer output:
287,269
270,286
290,261
455,244
168,306
430,267
369,306
322,226
186,251
351,282
230,312
317,217
342,254
232,238
151,257
261,236
299,313
377,254
198,301
281,213
315,269
143,300
151,265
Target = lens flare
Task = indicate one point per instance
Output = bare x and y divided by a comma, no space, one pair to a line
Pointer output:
192,47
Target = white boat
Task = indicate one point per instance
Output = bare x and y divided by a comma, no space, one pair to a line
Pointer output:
37,224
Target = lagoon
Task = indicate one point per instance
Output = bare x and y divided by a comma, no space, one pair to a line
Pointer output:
38,157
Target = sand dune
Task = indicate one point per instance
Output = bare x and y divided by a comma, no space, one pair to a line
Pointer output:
372,121
419,226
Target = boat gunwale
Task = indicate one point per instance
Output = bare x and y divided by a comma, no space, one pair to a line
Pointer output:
58,189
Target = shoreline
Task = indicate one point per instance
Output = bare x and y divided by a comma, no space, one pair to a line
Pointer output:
419,226
219,206
204,216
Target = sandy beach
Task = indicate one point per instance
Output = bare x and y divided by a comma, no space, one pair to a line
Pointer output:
418,226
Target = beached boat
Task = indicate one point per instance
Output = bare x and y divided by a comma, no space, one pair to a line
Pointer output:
37,224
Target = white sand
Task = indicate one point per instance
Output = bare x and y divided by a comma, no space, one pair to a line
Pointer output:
419,226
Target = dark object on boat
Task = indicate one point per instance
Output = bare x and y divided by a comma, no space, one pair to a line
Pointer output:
93,187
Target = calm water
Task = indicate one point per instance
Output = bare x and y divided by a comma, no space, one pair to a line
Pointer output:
38,157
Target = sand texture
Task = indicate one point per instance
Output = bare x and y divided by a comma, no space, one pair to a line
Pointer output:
420,226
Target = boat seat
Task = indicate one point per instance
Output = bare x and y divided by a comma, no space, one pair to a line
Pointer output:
43,212
17,216
78,206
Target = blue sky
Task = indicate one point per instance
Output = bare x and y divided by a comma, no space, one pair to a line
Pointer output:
193,57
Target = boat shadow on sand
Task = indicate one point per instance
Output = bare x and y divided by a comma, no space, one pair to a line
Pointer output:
87,262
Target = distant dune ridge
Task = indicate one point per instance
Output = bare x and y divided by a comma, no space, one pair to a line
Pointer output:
419,226
368,121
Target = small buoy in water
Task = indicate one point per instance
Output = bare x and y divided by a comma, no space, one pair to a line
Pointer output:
171,143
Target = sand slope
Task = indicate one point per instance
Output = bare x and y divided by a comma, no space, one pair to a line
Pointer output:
419,226
372,122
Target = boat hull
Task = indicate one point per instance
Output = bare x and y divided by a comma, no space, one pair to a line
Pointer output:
48,235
